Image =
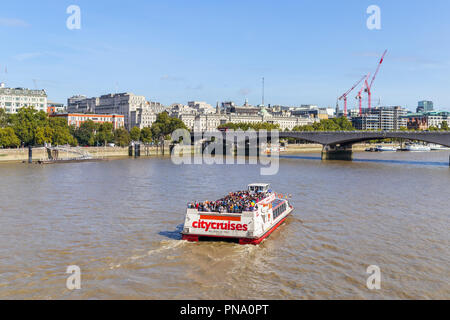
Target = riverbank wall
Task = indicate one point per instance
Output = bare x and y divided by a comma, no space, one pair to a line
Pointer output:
21,154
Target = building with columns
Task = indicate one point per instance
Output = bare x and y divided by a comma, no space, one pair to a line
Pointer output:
208,122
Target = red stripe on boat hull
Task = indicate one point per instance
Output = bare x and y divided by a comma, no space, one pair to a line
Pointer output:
242,241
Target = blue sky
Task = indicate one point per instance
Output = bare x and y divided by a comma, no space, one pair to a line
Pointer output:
310,52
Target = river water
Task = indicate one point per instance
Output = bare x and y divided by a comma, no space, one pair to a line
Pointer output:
120,222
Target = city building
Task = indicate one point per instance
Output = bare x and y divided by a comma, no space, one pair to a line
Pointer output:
425,120
201,107
230,113
54,107
12,99
81,104
119,103
313,111
245,110
381,118
425,106
366,122
417,121
145,116
76,119
212,121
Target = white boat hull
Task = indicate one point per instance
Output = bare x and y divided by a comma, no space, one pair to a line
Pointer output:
246,228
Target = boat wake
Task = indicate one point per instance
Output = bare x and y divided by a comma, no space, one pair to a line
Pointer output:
166,245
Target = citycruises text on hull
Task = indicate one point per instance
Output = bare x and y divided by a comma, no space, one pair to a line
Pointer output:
247,217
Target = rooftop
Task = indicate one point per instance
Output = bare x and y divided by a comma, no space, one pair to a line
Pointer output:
22,92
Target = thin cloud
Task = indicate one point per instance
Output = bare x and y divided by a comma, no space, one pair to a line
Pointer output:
28,56
367,54
14,23
170,78
197,87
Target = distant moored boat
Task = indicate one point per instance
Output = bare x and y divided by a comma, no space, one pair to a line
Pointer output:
417,148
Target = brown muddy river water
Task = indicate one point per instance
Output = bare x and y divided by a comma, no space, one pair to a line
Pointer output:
120,222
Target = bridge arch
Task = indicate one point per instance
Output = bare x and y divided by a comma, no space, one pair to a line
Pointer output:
352,137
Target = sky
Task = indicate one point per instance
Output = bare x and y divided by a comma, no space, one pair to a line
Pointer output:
308,51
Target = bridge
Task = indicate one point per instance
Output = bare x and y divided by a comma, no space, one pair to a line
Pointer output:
337,145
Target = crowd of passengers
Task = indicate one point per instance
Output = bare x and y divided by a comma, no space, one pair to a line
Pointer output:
235,202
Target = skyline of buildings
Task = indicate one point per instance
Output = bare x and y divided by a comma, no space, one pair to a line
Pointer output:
199,115
90,103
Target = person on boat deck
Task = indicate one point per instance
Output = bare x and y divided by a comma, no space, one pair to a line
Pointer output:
235,202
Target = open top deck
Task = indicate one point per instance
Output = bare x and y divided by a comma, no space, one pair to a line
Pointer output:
236,202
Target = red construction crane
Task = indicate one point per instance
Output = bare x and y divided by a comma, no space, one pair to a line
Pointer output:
344,96
359,97
369,87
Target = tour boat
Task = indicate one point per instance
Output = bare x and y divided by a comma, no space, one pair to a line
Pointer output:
438,147
256,213
275,148
417,148
386,149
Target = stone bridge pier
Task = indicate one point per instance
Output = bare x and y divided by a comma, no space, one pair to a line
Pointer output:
337,152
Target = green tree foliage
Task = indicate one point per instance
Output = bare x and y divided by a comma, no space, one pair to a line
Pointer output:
4,119
61,134
104,134
8,138
43,135
247,126
122,137
85,134
26,123
165,125
146,135
444,126
334,124
32,127
303,128
135,134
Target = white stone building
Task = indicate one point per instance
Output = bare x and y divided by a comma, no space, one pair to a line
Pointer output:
118,103
12,99
81,104
201,107
145,116
212,121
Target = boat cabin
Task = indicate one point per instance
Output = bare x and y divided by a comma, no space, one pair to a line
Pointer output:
258,187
